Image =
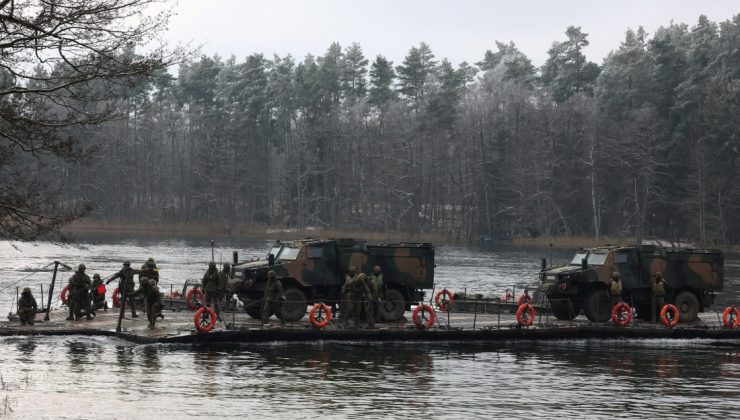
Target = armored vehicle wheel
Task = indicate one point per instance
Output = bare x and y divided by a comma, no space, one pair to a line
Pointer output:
252,307
688,306
294,306
393,306
597,307
564,309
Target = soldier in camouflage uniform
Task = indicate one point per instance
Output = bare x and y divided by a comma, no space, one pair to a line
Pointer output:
149,270
127,283
79,297
360,297
345,307
98,299
27,307
212,286
272,301
376,279
152,300
659,291
615,289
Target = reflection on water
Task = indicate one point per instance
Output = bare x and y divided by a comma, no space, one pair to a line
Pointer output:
59,377
356,381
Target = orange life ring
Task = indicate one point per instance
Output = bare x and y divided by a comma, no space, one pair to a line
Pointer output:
315,314
508,296
418,319
101,289
669,323
524,298
621,308
520,315
191,301
443,304
65,294
198,319
116,298
731,323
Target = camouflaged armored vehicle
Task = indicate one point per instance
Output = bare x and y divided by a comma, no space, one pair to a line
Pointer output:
314,270
693,276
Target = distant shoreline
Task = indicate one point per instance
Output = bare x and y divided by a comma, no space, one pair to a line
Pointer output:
209,231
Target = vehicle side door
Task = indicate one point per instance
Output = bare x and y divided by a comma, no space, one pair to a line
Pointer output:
320,265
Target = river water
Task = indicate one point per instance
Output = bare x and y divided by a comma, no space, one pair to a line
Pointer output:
83,377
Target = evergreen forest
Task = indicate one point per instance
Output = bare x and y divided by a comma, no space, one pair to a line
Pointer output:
644,144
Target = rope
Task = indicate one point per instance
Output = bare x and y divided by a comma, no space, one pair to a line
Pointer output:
24,278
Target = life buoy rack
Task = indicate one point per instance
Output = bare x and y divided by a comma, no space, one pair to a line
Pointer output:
520,315
524,298
443,303
116,298
315,315
198,319
621,314
65,294
191,299
731,317
418,318
665,320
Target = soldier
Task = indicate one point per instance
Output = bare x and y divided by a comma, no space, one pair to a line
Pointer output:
345,308
271,301
659,289
615,289
79,297
212,283
127,283
152,300
360,296
27,307
376,278
149,270
98,298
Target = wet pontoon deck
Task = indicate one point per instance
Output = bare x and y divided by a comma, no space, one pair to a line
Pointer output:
177,327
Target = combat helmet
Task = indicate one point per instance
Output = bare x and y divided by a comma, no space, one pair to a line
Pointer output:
81,267
26,290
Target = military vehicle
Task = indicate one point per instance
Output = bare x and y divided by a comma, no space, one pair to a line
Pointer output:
693,277
313,270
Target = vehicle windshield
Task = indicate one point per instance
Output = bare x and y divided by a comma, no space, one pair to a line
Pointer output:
275,250
289,253
591,258
577,259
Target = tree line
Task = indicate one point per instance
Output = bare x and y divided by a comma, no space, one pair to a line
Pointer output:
644,144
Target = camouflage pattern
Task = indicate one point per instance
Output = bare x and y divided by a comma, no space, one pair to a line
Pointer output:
27,307
127,283
98,300
360,297
697,272
152,300
318,268
615,289
272,302
79,295
149,271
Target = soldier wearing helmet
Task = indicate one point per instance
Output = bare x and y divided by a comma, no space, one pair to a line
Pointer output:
615,288
212,287
27,307
345,307
126,285
98,293
359,296
152,300
376,278
272,302
79,295
149,270
659,292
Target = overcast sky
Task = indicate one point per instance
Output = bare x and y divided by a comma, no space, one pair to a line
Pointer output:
458,30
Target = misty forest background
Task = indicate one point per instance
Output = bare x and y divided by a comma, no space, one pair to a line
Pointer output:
643,145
